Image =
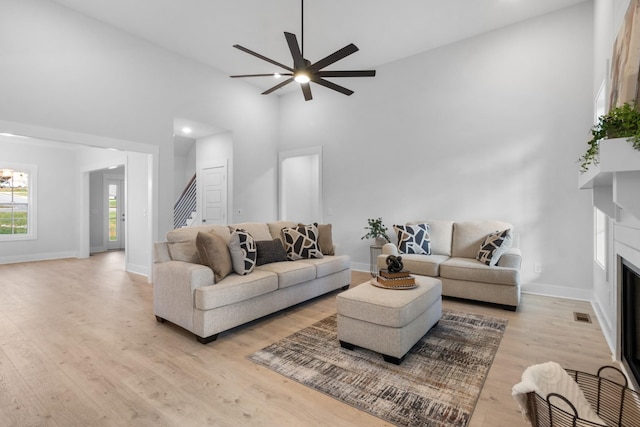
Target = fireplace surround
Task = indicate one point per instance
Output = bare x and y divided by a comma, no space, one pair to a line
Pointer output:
630,317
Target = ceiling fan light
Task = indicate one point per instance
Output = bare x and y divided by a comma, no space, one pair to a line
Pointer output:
302,78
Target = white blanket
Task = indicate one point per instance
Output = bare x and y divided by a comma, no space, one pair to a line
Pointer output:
548,378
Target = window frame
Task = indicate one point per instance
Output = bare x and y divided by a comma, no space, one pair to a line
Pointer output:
32,229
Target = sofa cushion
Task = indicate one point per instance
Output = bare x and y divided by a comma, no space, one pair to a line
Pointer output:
184,251
468,235
259,230
329,264
235,289
185,234
476,271
242,249
290,273
413,239
270,251
301,242
423,265
493,246
214,253
440,233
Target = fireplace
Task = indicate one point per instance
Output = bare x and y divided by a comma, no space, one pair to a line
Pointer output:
631,319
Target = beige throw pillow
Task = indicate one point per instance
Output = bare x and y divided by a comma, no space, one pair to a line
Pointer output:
214,253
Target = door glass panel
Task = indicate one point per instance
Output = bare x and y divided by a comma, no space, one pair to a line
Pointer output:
113,212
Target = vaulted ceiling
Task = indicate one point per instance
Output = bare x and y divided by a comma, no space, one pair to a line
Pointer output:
384,30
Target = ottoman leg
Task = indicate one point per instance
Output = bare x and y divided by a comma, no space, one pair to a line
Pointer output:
394,360
347,345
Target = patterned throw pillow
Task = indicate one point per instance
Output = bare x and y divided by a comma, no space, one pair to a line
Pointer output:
494,245
325,238
413,239
243,251
301,242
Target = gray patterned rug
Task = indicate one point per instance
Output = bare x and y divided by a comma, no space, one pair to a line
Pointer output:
437,385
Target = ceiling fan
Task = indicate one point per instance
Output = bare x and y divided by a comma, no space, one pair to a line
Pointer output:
303,71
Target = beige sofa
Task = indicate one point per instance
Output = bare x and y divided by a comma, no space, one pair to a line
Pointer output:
454,247
185,292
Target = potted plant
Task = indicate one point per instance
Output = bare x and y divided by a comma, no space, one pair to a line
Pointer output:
376,230
620,122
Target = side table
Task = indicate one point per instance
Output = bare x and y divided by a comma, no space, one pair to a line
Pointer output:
374,251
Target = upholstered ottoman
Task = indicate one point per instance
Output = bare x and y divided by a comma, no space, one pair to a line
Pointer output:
388,321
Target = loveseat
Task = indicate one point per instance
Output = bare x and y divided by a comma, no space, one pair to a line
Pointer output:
474,260
205,302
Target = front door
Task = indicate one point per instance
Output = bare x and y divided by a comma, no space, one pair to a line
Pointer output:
115,214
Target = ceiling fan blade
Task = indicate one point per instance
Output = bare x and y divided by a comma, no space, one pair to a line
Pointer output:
264,58
334,57
294,47
278,86
332,85
355,73
306,90
261,75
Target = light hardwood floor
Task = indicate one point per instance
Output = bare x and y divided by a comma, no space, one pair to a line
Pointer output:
79,346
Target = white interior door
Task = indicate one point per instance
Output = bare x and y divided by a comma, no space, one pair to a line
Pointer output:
214,195
115,214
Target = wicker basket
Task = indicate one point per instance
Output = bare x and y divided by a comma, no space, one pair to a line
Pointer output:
616,404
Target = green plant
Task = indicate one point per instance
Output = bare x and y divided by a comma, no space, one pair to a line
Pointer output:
620,122
375,229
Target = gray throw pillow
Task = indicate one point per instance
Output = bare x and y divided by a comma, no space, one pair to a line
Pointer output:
269,251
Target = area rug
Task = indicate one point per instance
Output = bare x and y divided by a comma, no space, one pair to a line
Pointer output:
437,385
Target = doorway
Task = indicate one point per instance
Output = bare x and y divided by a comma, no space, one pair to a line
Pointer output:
300,185
115,215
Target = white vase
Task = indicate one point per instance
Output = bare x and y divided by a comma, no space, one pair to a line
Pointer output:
380,241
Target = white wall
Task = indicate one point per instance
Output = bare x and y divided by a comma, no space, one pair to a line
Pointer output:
490,127
64,71
57,187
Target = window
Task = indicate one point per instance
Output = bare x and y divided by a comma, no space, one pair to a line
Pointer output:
17,207
600,234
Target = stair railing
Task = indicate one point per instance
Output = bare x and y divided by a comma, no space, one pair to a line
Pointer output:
185,205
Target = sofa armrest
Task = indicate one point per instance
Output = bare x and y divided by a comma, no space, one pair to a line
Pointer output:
389,249
512,258
161,252
174,285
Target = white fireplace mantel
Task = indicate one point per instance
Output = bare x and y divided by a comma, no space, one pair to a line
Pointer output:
615,180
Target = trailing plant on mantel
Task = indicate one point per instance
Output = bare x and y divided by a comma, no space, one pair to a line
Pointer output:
620,122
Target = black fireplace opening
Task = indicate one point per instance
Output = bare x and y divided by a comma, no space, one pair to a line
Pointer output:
631,318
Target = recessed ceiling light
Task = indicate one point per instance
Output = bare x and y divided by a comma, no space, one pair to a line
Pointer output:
186,130
277,75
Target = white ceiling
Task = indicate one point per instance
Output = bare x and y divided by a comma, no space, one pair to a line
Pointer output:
384,30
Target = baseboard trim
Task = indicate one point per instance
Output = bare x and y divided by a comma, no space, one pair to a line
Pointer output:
360,266
37,257
138,269
557,291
